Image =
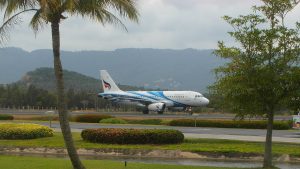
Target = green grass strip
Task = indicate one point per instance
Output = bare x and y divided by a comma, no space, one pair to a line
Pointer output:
17,162
193,145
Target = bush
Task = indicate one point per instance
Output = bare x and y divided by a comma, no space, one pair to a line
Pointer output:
145,121
91,118
6,117
35,117
282,125
24,131
258,124
132,136
113,121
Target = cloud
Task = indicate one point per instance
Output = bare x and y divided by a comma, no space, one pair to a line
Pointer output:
172,24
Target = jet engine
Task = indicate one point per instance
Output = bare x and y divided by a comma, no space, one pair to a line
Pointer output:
158,107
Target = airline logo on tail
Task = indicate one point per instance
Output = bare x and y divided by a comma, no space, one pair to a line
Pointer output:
106,85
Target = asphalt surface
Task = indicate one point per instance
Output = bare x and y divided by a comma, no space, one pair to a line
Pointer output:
289,136
166,115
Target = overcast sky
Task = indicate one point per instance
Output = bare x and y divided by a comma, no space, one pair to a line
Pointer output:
172,24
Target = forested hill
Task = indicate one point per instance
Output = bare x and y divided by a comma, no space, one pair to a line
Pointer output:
44,78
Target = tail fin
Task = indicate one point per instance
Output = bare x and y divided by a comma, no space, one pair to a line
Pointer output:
107,83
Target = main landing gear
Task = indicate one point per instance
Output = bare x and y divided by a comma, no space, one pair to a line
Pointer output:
145,111
160,112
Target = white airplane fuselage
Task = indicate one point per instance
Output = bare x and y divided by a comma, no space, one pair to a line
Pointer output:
170,98
150,100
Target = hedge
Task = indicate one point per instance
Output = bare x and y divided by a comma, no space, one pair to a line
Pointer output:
24,131
113,121
6,117
144,121
91,118
132,136
278,125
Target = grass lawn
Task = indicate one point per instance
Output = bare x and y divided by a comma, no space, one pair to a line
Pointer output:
17,162
193,145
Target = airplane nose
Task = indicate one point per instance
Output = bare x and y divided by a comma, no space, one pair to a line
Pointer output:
205,101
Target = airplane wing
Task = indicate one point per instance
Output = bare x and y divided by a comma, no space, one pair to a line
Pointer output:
130,99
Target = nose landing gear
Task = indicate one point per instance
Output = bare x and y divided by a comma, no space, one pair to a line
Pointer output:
189,110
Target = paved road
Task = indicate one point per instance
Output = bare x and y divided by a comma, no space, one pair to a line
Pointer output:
139,115
291,136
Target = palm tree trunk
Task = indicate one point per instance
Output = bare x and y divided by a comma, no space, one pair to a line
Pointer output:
268,143
62,110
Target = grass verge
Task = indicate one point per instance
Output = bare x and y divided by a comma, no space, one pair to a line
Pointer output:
17,162
192,145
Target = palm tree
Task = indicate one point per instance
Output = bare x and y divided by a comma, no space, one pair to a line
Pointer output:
53,12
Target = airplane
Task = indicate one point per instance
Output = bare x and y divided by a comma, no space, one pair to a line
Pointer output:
156,101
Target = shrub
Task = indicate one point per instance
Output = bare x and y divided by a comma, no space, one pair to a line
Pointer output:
258,124
282,125
91,118
113,121
132,136
35,117
6,117
24,131
145,121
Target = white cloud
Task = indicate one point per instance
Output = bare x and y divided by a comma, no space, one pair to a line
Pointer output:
173,24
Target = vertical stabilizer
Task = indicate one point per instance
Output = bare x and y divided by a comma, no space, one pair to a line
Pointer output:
107,83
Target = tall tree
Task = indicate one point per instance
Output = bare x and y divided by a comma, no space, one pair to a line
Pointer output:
262,73
53,12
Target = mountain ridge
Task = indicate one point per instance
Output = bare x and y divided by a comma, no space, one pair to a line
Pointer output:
173,69
44,78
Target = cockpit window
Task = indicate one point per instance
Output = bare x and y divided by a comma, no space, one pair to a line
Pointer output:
199,95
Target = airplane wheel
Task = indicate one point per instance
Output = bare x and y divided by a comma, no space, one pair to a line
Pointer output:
145,111
160,112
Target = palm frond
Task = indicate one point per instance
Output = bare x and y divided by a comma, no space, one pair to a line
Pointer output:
7,27
50,10
126,8
17,5
43,4
9,24
37,22
99,10
3,4
54,5
104,16
69,5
